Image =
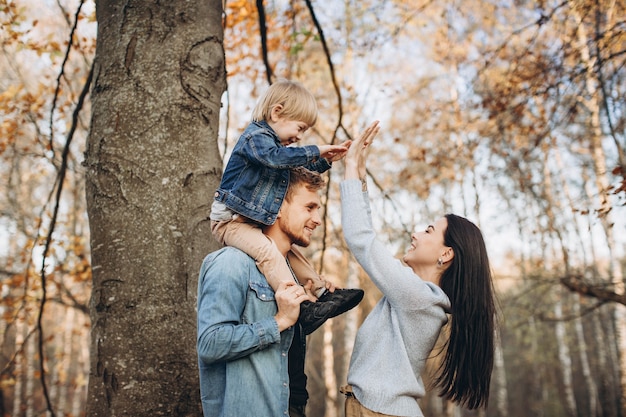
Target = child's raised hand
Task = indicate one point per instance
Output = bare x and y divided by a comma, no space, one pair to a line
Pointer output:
334,153
346,143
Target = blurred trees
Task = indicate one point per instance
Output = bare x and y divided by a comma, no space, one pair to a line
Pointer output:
45,268
510,113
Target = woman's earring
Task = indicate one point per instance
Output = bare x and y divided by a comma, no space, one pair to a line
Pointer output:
439,262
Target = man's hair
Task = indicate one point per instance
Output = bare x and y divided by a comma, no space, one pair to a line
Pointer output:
298,103
302,176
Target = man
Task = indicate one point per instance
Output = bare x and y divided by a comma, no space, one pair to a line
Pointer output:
245,330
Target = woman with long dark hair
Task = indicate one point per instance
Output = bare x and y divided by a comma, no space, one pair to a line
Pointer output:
444,280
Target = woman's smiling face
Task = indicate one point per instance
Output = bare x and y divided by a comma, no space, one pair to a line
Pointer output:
427,246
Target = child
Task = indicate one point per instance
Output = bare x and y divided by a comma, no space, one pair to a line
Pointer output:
253,188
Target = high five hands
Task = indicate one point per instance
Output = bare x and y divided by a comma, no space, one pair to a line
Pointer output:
356,157
334,153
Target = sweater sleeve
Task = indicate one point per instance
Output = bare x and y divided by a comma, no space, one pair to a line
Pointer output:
396,281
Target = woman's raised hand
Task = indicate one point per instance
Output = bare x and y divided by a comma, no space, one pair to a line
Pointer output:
356,157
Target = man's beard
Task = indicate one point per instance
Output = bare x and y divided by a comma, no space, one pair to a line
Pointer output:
296,238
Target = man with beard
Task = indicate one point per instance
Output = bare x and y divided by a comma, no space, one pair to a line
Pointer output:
245,329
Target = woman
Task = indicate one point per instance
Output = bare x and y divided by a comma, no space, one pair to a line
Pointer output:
445,280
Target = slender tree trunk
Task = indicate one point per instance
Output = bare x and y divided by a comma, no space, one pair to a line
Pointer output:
352,317
592,390
607,374
501,397
152,166
79,396
539,380
30,360
67,359
583,348
21,330
330,381
593,104
56,363
564,359
606,408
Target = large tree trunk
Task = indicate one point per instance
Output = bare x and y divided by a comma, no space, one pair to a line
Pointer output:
152,166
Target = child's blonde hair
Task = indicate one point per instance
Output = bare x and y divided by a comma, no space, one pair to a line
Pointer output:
298,103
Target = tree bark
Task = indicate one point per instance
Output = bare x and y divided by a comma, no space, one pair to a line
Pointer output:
152,166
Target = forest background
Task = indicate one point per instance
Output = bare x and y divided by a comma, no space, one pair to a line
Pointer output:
512,113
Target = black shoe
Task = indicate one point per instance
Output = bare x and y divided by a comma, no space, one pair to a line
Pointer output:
329,305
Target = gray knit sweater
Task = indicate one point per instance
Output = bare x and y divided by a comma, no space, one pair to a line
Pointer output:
397,337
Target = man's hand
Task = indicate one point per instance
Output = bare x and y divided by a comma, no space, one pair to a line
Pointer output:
309,290
289,295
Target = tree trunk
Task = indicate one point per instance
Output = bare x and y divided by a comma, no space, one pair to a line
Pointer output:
67,359
30,375
501,397
79,395
565,360
604,337
330,380
552,212
593,104
21,329
152,166
583,348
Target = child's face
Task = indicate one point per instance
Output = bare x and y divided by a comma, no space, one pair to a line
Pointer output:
288,131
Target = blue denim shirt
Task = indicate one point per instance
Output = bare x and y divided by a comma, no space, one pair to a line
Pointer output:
257,174
242,356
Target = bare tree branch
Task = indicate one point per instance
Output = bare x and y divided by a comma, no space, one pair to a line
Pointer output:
571,317
263,32
331,67
61,73
59,185
339,126
600,292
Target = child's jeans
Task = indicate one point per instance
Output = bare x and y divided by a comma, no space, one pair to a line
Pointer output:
246,235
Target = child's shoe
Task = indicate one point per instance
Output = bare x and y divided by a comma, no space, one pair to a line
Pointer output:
329,305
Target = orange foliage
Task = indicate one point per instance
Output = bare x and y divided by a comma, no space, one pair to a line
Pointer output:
34,41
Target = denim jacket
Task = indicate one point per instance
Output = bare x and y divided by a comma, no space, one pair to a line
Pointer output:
242,356
257,174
